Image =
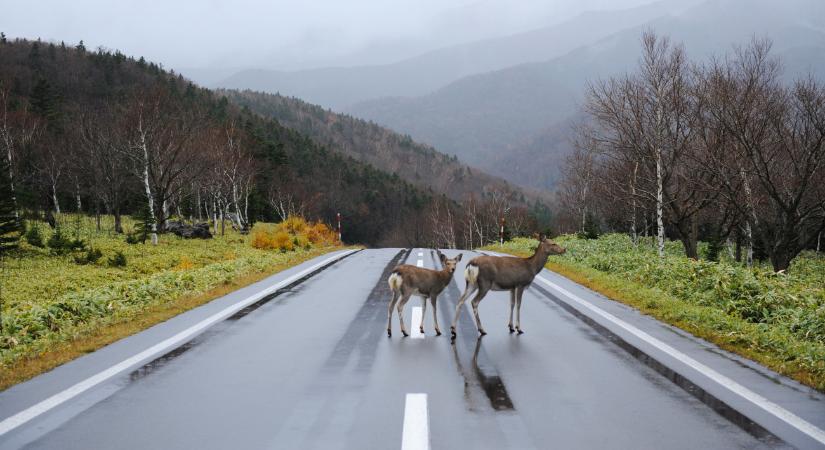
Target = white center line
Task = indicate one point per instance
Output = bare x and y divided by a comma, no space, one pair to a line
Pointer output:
415,324
420,263
31,412
757,400
416,434
420,254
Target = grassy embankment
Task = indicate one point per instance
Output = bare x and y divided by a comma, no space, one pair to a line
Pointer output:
59,305
777,320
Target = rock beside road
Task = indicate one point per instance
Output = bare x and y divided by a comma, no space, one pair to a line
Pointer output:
186,231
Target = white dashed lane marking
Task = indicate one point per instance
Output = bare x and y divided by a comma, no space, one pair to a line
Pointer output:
416,433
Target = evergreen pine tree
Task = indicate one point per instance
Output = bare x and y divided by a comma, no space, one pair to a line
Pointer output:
10,226
44,100
3,38
80,47
143,227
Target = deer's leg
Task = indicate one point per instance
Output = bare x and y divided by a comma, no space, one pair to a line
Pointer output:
467,291
389,312
512,305
519,293
404,298
435,316
423,313
476,300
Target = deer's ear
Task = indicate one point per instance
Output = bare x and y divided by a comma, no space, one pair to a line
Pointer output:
542,237
458,258
442,257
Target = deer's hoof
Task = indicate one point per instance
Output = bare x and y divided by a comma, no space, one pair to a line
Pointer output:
520,331
437,332
405,333
452,334
421,330
482,332
389,333
512,330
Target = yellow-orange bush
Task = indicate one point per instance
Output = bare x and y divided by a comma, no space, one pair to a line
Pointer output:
184,263
293,233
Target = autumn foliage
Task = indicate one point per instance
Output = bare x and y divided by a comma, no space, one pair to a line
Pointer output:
293,233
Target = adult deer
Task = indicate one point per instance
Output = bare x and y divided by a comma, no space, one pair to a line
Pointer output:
406,281
503,273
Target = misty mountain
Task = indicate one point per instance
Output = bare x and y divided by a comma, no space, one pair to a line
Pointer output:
388,151
500,120
339,87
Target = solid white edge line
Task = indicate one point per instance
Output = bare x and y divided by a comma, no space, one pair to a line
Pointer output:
416,432
37,409
770,407
415,323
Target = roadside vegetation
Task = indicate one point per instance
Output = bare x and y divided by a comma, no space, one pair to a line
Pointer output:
776,319
70,290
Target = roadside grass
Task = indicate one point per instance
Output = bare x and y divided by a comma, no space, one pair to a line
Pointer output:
56,308
777,320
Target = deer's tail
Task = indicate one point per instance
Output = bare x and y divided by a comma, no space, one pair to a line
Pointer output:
395,281
471,274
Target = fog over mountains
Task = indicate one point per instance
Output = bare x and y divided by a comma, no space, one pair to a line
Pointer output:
506,104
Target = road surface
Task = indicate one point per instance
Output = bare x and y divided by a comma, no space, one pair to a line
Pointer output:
313,368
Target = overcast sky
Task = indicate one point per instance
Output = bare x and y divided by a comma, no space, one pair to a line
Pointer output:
282,34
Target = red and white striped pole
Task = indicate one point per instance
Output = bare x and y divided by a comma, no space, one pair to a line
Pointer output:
339,227
501,232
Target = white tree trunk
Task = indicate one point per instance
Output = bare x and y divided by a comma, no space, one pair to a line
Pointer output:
77,197
148,189
239,220
660,235
749,204
200,218
11,182
54,199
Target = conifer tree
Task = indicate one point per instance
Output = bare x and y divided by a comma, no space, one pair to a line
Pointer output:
10,225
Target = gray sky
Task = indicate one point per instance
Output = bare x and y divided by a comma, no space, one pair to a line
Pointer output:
282,34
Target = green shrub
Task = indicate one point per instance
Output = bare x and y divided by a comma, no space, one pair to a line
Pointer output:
135,238
90,257
34,237
117,260
591,228
58,243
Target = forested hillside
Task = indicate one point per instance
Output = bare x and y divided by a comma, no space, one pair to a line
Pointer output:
100,132
418,164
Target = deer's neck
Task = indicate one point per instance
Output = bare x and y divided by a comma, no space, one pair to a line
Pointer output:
538,260
444,277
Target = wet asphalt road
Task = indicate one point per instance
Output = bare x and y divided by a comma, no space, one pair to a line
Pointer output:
313,368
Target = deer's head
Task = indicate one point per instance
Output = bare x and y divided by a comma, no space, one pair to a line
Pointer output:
549,247
449,263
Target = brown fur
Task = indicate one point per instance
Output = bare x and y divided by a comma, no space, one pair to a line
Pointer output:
406,281
504,273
